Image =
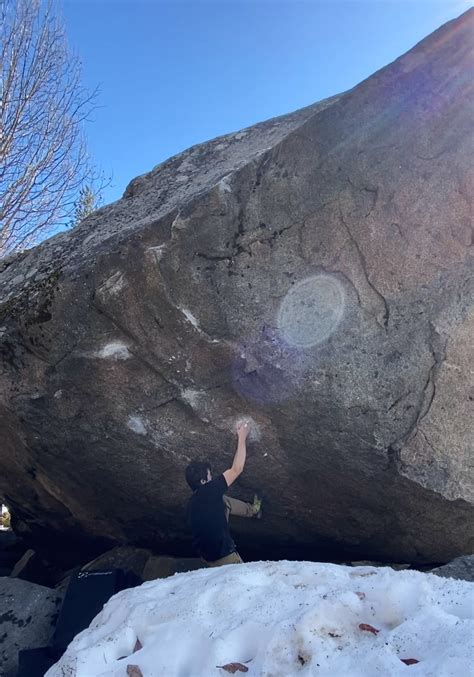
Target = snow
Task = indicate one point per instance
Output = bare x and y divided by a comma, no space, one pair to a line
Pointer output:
280,619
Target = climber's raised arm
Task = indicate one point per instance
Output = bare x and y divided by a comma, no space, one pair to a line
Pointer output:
240,455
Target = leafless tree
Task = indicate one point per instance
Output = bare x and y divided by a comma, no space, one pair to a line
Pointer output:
43,158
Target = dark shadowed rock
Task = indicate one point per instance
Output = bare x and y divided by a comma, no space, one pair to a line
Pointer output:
31,567
162,567
28,614
22,566
11,549
122,557
313,272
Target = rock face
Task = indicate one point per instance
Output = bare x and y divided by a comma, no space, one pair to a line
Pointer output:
27,619
313,272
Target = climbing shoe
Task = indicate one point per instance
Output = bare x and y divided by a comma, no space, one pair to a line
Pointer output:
257,507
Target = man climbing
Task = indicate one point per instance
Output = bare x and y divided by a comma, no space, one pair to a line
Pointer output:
209,508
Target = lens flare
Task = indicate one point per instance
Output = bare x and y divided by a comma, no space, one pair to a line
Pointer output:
266,369
311,311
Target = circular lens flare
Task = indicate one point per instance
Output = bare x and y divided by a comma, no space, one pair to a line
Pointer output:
311,311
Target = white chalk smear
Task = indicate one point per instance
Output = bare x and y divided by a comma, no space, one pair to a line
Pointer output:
254,434
115,351
137,424
224,185
192,397
113,285
157,252
190,317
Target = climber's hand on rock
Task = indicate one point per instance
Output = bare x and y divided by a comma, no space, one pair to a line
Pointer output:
243,429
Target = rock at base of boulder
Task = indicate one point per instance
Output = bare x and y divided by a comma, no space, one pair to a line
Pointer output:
368,563
30,567
461,568
27,619
124,557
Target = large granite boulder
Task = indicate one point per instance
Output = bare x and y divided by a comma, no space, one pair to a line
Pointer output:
313,272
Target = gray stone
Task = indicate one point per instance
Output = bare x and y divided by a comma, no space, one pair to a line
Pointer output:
17,280
28,614
461,568
314,273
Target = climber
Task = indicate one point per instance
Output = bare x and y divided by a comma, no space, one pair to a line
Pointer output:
209,508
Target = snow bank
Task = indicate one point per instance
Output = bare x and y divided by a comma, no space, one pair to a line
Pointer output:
279,619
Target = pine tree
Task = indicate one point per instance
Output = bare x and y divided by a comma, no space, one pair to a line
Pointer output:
87,203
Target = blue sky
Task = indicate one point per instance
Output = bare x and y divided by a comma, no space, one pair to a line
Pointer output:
172,74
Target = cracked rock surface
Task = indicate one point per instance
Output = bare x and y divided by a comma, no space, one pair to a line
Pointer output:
133,343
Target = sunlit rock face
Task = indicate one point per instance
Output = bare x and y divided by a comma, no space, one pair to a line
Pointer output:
313,273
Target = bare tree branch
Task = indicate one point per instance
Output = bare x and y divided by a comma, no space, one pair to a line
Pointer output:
43,160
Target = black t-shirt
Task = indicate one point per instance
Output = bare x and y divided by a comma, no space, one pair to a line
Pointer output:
207,520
